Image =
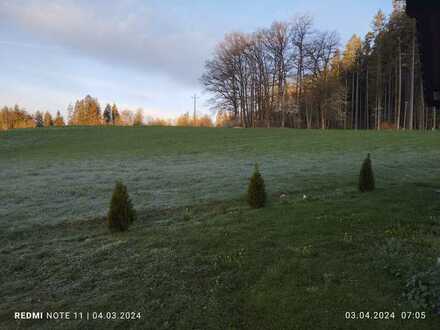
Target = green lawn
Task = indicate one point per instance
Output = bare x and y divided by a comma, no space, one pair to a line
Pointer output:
300,263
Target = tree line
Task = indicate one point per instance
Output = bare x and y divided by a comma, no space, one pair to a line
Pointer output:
88,112
293,75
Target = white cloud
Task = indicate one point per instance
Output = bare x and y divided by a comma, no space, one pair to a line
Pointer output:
126,33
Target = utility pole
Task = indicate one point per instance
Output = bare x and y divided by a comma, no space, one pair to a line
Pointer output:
195,97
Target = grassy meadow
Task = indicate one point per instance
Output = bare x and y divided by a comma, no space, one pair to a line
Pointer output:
321,250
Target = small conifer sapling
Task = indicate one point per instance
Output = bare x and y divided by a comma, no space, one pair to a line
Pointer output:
256,194
121,214
366,177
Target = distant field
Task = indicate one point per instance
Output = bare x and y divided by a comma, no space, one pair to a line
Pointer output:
66,174
300,263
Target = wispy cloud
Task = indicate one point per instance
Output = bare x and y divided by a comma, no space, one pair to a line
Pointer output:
137,53
126,33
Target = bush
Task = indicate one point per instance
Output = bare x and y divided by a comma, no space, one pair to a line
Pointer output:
121,214
366,177
423,290
256,194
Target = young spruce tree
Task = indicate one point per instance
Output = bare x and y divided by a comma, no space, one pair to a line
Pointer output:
366,177
256,194
39,122
121,214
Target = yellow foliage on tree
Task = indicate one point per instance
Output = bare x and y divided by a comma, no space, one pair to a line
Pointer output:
224,119
184,120
59,120
48,121
15,117
138,118
126,118
352,49
159,122
87,112
204,121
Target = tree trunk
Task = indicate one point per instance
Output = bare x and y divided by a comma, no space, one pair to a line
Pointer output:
422,107
346,103
412,84
379,92
352,101
399,94
367,111
357,102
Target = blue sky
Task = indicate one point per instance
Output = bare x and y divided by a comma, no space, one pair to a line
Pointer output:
138,53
